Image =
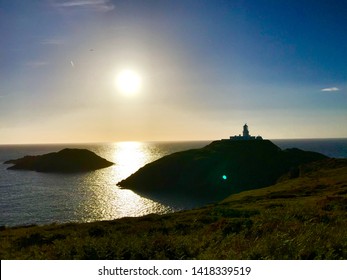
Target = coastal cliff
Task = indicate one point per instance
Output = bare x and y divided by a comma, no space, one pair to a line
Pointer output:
64,161
219,169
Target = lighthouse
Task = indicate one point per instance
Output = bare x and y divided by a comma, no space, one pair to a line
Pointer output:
245,132
245,135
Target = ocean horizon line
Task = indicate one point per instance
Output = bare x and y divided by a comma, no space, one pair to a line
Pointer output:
160,141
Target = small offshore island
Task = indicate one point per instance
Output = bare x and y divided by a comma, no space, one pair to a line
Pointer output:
64,161
284,204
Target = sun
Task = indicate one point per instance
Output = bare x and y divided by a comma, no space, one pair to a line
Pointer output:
128,82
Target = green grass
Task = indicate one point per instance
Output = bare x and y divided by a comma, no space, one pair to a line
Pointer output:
302,218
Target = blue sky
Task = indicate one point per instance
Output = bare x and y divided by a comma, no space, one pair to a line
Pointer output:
207,68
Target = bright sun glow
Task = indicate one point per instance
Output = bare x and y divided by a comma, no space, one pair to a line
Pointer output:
128,82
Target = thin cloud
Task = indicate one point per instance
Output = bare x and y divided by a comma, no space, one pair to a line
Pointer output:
36,64
98,5
52,41
330,89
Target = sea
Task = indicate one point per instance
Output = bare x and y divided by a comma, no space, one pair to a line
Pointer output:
29,197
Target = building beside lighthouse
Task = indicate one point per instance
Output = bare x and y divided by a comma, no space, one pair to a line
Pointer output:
245,135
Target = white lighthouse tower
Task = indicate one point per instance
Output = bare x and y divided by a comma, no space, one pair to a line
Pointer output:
245,135
245,132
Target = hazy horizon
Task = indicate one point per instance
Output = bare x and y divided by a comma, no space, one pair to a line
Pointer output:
164,141
108,71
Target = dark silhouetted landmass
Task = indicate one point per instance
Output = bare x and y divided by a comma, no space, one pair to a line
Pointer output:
299,218
219,169
64,161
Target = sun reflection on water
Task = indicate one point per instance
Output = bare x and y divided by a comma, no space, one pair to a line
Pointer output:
103,199
129,157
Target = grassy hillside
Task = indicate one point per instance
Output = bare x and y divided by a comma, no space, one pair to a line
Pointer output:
300,218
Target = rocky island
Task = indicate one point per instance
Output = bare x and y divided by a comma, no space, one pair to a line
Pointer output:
64,161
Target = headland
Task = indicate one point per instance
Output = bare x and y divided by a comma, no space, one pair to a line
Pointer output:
219,169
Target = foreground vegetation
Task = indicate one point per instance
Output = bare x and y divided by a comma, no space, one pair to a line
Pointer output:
299,218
